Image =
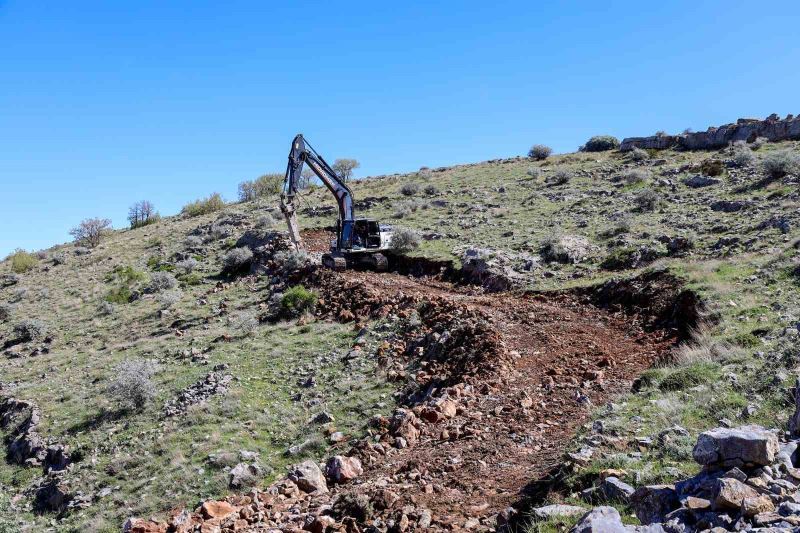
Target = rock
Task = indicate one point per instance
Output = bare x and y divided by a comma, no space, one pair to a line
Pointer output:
695,182
550,511
794,421
404,424
308,477
616,490
217,509
323,418
600,520
652,503
138,525
52,496
753,506
244,475
742,446
730,206
730,493
697,504
341,469
789,508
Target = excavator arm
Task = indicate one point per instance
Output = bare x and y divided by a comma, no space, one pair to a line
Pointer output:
302,153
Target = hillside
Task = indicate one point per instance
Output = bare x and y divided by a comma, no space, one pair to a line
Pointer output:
587,303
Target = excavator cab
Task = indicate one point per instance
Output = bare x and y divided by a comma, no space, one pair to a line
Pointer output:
366,234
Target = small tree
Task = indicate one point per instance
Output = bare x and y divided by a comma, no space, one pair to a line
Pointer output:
132,386
90,231
305,178
601,143
344,168
142,213
539,152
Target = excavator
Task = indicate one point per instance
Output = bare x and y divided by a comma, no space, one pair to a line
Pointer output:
358,241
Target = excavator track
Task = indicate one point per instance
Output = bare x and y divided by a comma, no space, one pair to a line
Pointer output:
334,262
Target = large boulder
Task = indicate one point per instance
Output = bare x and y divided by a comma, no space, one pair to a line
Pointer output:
614,489
600,520
652,503
308,477
244,475
341,469
742,446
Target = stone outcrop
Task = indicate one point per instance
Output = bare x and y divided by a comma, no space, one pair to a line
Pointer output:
736,447
773,128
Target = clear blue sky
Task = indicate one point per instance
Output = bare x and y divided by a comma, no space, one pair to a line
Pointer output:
106,103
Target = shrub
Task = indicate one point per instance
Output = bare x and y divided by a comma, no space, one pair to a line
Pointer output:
132,386
59,258
743,156
204,206
142,213
539,152
120,295
758,143
404,209
106,308
237,259
298,300
29,330
601,143
345,167
22,261
430,190
637,154
690,376
187,265
712,167
193,241
167,299
161,281
244,322
566,249
409,189
6,310
635,176
291,260
425,173
781,163
534,172
646,200
265,222
19,294
90,231
190,279
560,177
404,240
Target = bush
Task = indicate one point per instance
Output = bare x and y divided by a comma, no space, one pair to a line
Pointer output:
244,322
187,265
161,281
404,240
690,376
29,330
142,213
106,308
167,299
291,260
6,310
534,172
646,200
120,295
132,386
539,152
566,249
712,167
192,242
90,231
58,258
560,177
601,143
204,206
22,261
781,163
637,154
635,176
298,300
409,189
743,156
425,173
430,190
404,209
758,143
237,259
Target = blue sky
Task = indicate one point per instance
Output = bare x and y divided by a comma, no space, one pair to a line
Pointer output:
106,103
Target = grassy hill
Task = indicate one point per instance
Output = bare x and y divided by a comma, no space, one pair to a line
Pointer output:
156,307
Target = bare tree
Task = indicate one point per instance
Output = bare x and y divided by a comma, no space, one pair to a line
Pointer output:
90,231
142,213
305,178
345,167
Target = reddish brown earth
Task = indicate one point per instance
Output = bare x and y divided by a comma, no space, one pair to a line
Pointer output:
508,387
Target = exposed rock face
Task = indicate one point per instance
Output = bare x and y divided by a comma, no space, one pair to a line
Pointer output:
772,128
727,447
731,493
652,503
600,520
